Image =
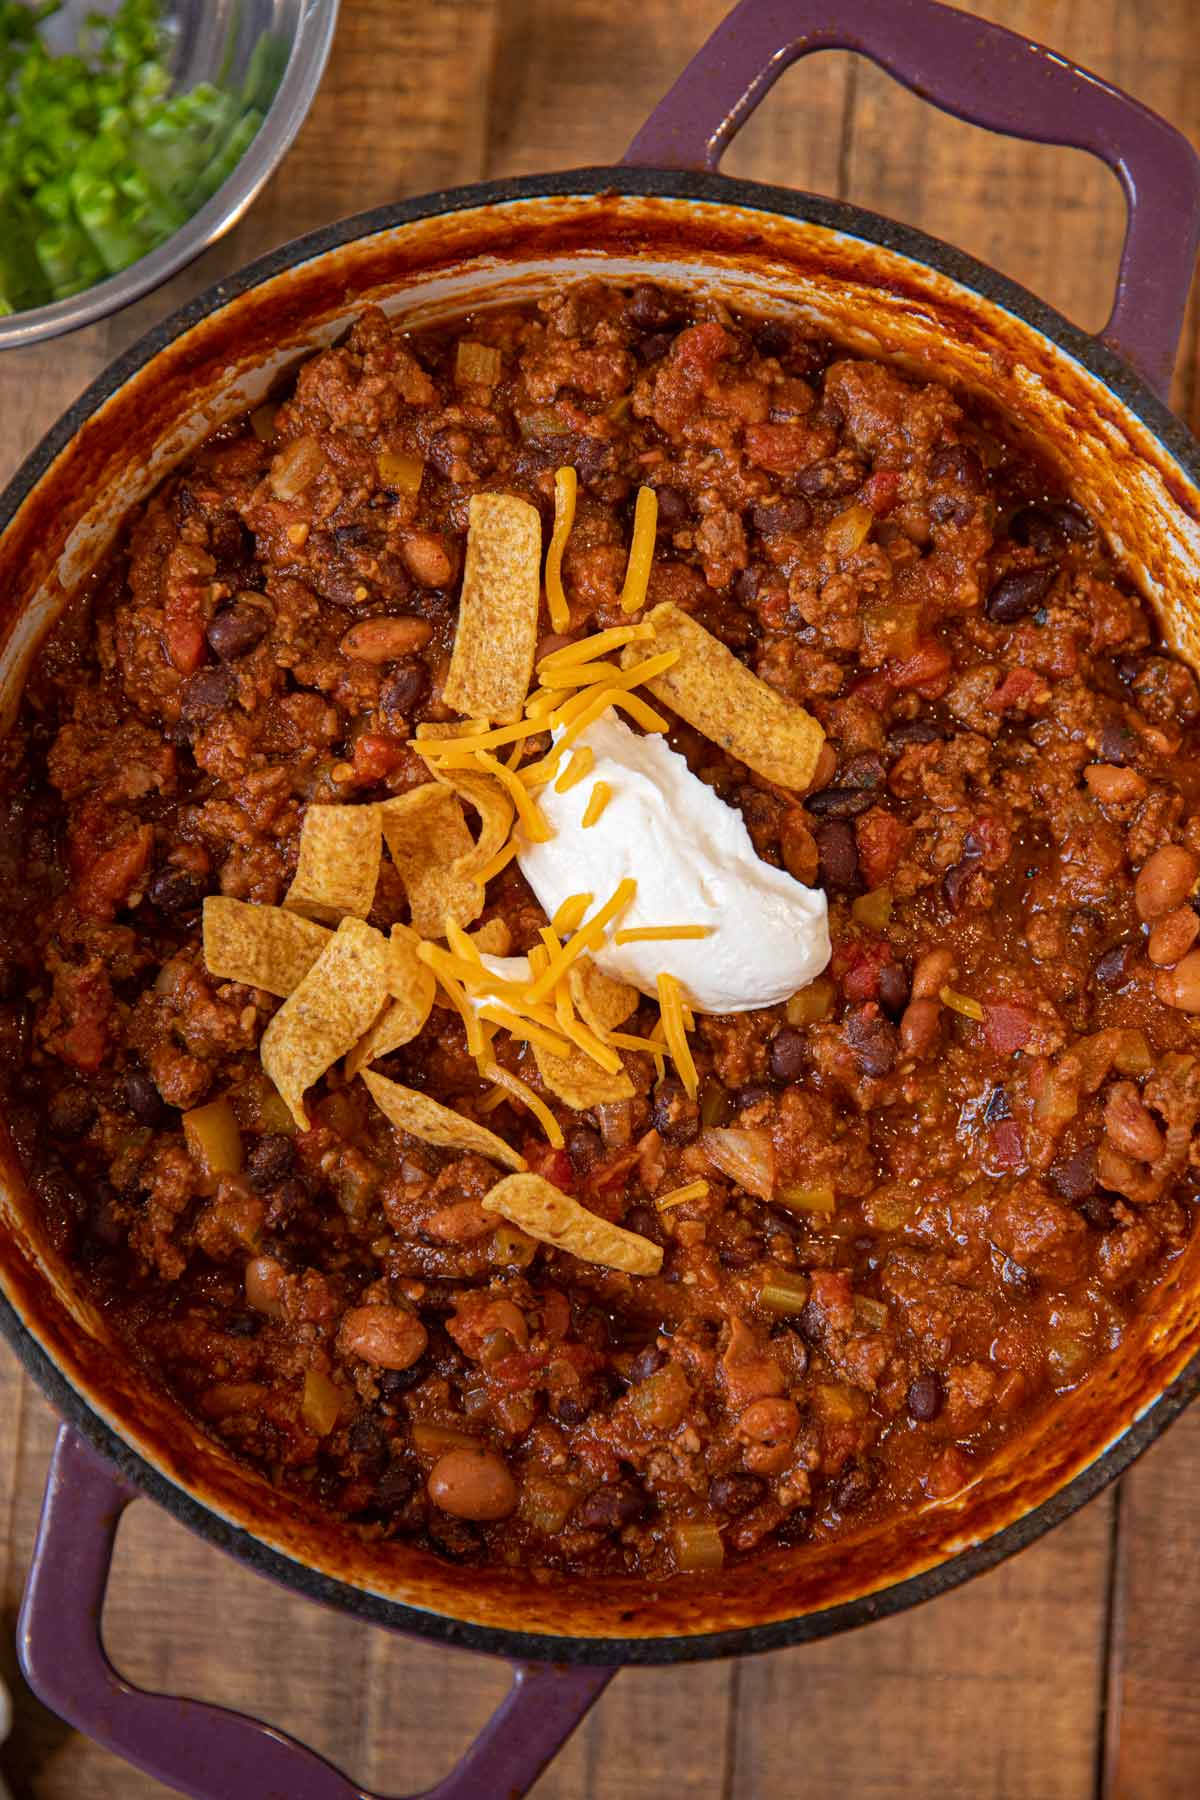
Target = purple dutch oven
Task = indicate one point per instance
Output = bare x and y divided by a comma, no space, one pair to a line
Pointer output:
1092,405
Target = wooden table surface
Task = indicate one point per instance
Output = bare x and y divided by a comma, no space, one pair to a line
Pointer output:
1073,1670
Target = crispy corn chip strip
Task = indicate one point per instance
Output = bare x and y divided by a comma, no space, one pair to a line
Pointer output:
548,1214
578,1081
495,811
722,698
340,853
600,1001
262,946
436,1124
412,985
493,938
323,1018
431,847
492,661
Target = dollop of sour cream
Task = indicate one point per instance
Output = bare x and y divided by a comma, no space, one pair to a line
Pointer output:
694,864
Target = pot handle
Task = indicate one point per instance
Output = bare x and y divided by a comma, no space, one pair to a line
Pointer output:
207,1751
985,74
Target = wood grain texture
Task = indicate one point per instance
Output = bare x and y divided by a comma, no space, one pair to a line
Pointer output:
1019,1685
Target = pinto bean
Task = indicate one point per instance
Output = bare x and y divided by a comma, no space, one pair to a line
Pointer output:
404,689
1113,786
1180,987
472,1484
386,1336
918,1027
799,847
931,974
1164,881
1172,936
236,629
1129,1124
385,640
430,559
837,854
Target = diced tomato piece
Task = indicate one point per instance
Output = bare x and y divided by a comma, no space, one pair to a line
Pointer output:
555,1309
183,628
926,671
107,881
881,838
1007,1025
1005,1151
878,690
701,347
1018,686
772,608
785,448
85,1043
552,1165
375,757
523,1369
881,490
857,964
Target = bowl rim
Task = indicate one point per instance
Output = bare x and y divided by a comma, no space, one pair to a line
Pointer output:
307,59
612,1651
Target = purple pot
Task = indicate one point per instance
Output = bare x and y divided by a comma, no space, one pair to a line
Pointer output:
1092,405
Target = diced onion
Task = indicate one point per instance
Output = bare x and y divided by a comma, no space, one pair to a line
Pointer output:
746,1155
698,1548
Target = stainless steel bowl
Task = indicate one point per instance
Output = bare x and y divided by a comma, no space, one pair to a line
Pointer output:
213,41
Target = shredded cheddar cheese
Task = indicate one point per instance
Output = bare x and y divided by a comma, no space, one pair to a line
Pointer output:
598,799
566,484
525,1094
598,644
571,913
692,1190
670,1006
650,934
641,551
579,766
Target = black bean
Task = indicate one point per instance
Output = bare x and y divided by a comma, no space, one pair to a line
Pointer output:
893,988
873,1039
1020,592
773,338
1046,527
271,1160
243,1324
399,1480
674,509
924,1400
1097,1209
837,855
782,516
1117,744
645,1221
405,688
735,1493
829,480
676,1117
956,883
585,1147
143,1098
285,1201
1112,969
647,1362
650,308
237,628
745,586
568,1410
394,1382
785,1054
1018,1279
839,802
206,692
809,1323
863,771
753,1093
70,1113
13,978
914,731
854,1486
959,464
1073,1174
611,1508
177,893
655,347
998,1108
